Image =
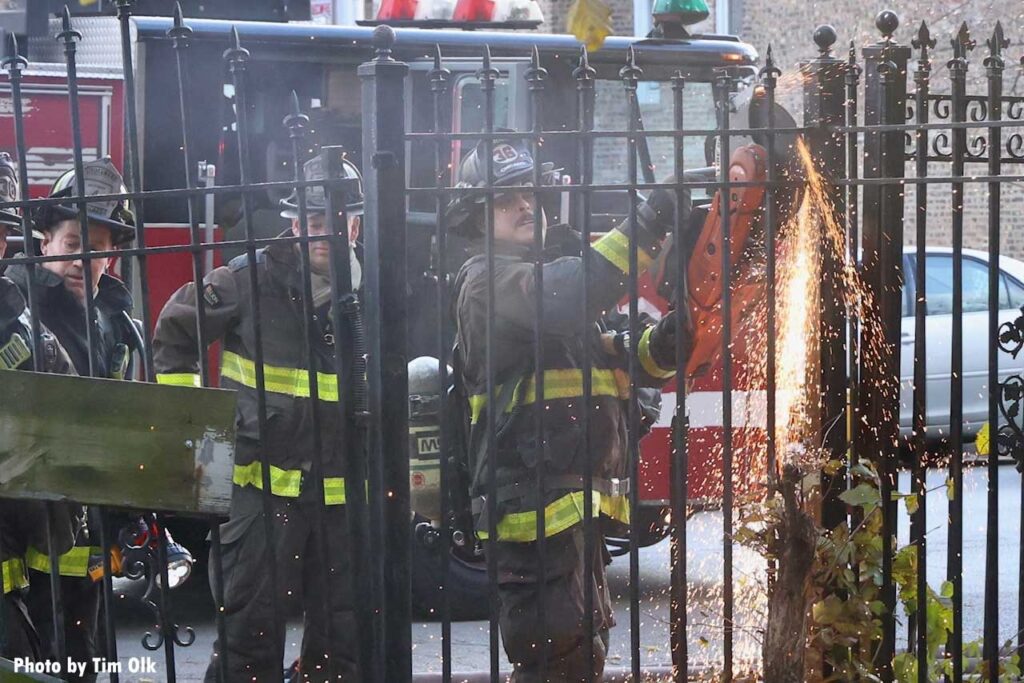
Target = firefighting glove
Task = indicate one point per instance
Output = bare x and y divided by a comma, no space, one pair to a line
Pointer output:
658,213
663,339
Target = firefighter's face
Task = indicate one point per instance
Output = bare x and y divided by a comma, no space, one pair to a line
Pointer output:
66,238
514,218
319,251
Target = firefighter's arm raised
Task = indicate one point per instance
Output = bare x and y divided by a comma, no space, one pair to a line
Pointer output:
563,278
656,348
175,342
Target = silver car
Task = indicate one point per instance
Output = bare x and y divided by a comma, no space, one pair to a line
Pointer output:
939,326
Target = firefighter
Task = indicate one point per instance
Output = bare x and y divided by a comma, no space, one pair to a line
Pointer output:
24,523
255,644
58,288
517,452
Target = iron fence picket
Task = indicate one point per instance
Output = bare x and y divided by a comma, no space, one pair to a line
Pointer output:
723,87
584,75
958,75
994,72
487,76
631,75
535,77
237,58
440,97
919,530
679,467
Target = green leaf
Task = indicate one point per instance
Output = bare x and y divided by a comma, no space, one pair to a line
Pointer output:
862,495
950,489
832,466
912,502
946,589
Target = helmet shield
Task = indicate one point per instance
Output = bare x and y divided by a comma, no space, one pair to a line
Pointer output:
512,164
100,177
315,170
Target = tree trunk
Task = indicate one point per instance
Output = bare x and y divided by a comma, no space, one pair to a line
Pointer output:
785,639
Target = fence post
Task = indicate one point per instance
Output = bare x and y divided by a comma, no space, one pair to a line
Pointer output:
885,71
824,100
383,82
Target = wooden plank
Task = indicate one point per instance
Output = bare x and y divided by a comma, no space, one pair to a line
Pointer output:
107,442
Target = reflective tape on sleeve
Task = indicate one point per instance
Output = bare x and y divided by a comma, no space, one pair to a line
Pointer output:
14,575
74,562
614,247
178,379
647,361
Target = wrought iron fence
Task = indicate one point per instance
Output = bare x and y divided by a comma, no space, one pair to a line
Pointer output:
844,424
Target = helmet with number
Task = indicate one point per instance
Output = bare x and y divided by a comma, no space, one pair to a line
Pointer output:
511,165
101,178
316,199
9,217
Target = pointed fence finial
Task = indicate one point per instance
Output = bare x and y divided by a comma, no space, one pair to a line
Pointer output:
179,32
962,42
536,74
296,121
68,34
13,61
998,42
236,55
769,72
924,40
630,73
583,70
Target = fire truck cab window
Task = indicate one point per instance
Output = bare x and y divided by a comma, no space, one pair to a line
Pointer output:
656,112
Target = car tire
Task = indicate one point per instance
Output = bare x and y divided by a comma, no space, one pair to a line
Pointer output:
467,579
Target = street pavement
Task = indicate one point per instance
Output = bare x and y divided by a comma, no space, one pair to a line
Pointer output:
193,606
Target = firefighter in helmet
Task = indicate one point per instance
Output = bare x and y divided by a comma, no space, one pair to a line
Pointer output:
58,289
517,452
254,643
23,524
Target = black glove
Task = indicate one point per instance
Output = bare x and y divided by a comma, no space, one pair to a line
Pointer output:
658,213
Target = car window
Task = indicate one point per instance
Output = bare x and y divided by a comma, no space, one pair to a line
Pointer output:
939,285
1014,297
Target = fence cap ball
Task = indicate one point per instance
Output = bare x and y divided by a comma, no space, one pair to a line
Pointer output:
825,37
887,22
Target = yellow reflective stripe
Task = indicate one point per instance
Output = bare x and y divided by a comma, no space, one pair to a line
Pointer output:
334,490
74,562
178,379
559,515
288,381
287,483
616,507
647,361
560,384
14,575
614,246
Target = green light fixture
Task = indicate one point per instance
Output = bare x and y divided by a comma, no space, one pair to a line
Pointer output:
685,12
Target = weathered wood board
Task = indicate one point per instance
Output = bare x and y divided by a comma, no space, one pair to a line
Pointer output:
107,442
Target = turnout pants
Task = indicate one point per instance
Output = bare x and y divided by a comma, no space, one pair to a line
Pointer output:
20,638
255,641
564,586
81,597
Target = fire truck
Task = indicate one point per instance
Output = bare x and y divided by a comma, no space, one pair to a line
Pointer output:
319,63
